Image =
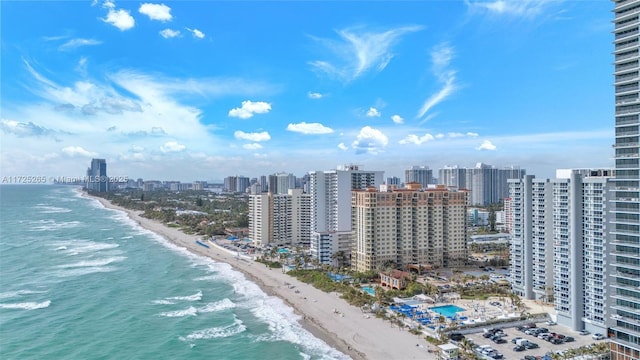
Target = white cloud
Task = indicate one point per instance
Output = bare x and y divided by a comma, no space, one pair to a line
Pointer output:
254,146
249,108
397,119
169,33
258,136
75,43
21,129
172,146
160,12
370,140
314,95
360,51
309,128
119,18
486,145
521,8
415,139
77,151
418,140
196,33
373,112
342,146
441,57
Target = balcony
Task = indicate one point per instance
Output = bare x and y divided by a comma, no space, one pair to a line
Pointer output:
620,58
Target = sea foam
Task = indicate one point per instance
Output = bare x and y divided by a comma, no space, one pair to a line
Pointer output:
235,328
190,311
26,305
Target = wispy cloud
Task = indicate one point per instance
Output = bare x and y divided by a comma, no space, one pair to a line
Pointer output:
520,8
397,119
24,129
371,141
427,137
441,57
159,12
172,146
359,51
76,43
309,128
196,33
415,139
119,18
74,151
253,146
250,108
255,137
486,145
169,33
343,147
373,112
315,95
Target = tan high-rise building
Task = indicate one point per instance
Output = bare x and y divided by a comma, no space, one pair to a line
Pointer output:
399,227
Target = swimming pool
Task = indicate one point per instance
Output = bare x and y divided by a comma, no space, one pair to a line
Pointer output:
369,290
447,310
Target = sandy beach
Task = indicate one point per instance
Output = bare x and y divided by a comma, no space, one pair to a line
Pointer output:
325,315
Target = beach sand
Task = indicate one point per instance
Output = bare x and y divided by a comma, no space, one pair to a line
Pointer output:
325,315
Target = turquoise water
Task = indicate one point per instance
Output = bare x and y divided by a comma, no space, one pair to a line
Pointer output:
369,290
83,282
447,310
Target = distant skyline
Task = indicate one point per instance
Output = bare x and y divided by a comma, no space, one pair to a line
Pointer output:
198,90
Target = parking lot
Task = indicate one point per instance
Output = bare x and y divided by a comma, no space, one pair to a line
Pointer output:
507,348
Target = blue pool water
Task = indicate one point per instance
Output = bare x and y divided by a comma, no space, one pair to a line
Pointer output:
447,310
369,290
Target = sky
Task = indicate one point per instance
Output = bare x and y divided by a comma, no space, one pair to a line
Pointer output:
202,90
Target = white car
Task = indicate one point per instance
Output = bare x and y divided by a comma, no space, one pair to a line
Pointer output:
551,322
597,336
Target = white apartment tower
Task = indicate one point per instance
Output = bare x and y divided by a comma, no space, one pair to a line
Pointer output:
330,193
531,251
419,174
283,219
399,227
624,279
558,244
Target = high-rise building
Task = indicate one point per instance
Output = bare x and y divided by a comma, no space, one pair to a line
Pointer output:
230,184
331,209
282,219
419,174
488,184
97,176
624,279
453,176
558,244
408,226
242,183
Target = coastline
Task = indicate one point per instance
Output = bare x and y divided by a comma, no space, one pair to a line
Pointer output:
325,315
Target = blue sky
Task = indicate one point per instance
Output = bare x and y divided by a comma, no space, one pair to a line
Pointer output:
200,90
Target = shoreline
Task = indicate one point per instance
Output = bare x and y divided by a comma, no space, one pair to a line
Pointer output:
325,315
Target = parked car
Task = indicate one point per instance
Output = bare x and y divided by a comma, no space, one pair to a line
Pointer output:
569,339
530,345
499,340
597,336
515,339
529,357
551,322
456,336
584,332
519,348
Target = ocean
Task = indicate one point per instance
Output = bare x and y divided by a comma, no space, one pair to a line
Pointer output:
78,281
